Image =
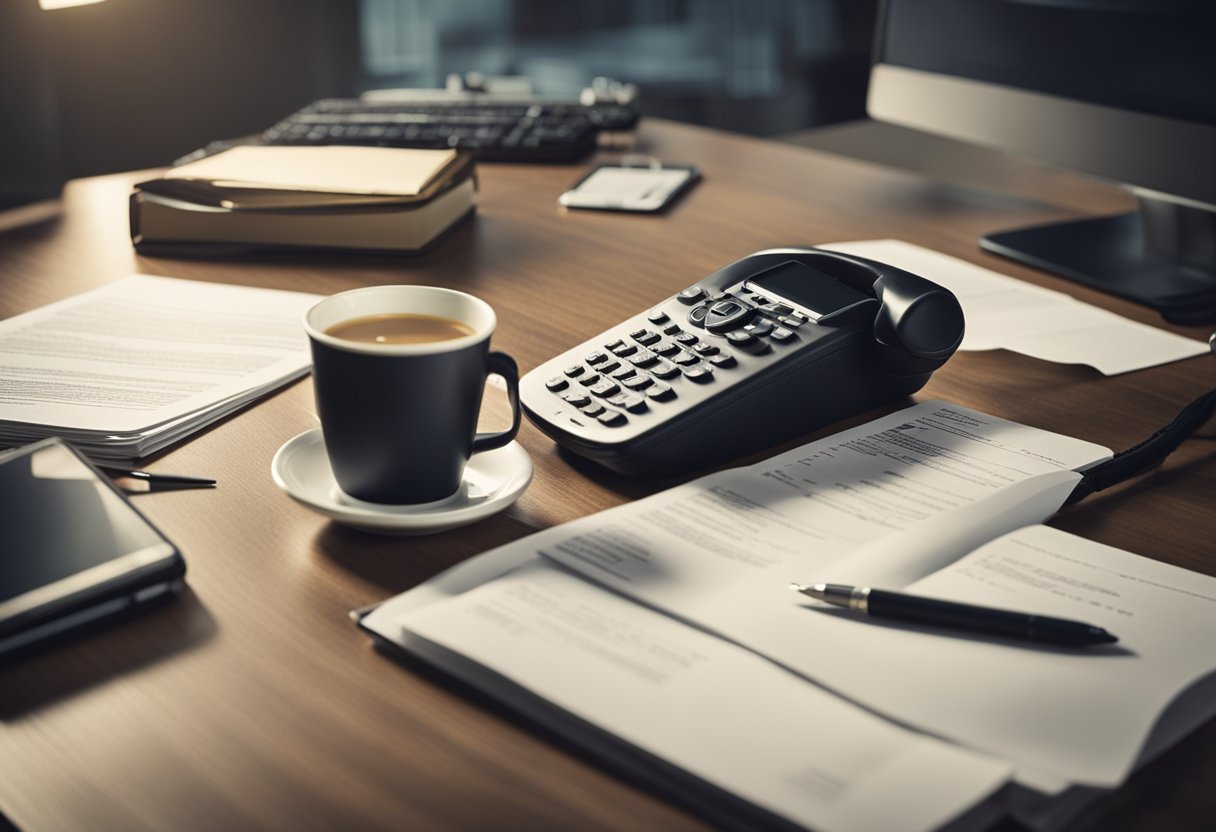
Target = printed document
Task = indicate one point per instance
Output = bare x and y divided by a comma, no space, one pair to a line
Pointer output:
667,625
146,358
720,713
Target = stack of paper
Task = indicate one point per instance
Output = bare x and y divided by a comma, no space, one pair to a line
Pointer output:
128,369
662,635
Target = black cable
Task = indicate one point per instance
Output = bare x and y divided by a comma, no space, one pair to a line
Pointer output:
1149,453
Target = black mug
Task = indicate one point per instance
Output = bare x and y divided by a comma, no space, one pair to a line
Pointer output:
400,420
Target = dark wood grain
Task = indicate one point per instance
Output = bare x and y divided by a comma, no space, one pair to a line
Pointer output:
254,703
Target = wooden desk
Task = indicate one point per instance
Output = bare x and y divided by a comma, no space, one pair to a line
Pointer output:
253,701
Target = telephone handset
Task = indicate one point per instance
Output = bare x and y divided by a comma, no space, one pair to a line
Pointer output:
774,345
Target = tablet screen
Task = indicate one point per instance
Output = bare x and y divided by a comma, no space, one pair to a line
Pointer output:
58,519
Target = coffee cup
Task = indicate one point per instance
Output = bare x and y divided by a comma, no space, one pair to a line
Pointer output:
399,373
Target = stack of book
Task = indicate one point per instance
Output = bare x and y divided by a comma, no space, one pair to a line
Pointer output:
346,198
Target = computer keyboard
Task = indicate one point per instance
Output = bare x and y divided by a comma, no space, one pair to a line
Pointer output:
496,130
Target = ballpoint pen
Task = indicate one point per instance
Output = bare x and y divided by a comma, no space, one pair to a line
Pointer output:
967,617
140,482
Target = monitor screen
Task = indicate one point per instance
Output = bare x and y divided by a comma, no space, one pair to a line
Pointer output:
1119,89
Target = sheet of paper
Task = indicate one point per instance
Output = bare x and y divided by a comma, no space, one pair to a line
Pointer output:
144,351
730,718
1005,313
1080,714
330,169
896,503
792,517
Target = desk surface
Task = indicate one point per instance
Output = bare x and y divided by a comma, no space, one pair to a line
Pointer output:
253,701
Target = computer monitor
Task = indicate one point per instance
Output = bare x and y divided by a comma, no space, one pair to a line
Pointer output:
1120,89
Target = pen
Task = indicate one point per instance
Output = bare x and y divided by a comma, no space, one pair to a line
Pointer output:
882,603
144,481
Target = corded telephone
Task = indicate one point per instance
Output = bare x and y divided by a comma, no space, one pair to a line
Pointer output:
773,345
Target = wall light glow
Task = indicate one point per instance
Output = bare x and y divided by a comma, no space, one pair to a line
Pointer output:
63,4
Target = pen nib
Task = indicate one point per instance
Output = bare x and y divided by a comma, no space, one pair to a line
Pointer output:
815,591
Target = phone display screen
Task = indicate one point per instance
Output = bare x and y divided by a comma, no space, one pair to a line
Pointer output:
58,519
801,285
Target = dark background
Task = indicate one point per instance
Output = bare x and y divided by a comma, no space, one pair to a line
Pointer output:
127,84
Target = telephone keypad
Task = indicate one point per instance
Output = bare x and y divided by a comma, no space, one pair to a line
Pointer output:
634,370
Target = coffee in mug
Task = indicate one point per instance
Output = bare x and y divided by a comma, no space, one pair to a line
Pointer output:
400,328
399,373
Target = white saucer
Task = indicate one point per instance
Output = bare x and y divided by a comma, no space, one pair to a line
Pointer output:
492,481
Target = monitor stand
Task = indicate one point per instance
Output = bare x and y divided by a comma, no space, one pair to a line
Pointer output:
1162,256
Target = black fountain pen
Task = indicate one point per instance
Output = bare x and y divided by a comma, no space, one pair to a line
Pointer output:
881,603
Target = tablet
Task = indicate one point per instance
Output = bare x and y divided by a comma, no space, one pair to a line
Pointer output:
74,551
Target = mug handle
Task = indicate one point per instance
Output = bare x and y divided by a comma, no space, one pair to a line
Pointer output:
499,363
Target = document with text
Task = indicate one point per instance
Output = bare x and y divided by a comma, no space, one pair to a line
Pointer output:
937,500
126,368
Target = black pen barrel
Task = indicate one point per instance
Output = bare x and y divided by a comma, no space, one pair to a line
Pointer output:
1041,628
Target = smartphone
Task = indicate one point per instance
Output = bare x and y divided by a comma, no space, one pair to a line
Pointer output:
634,188
74,550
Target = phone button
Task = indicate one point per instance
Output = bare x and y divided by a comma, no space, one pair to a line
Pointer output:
728,315
660,391
700,374
611,418
691,295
